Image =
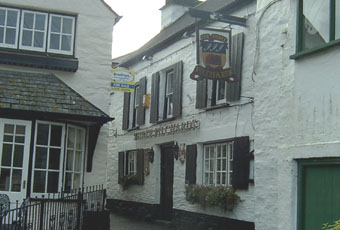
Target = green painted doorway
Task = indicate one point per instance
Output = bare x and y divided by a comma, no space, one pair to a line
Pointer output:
319,194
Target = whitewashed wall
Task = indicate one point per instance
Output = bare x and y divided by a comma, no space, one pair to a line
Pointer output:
215,125
93,47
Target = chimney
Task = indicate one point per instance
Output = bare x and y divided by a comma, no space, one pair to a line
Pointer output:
174,9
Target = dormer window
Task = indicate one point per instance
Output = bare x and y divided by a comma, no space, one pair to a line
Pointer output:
36,31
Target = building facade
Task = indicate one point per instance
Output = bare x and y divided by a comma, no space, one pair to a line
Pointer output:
54,95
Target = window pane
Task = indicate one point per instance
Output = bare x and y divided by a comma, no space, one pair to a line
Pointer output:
16,180
39,182
8,138
71,137
78,161
56,131
40,22
28,20
6,155
12,17
54,159
2,33
52,183
2,17
68,182
337,20
41,158
54,41
76,181
27,38
39,39
221,90
19,139
4,179
69,160
10,36
43,133
67,26
20,129
66,43
56,24
9,129
18,155
80,139
316,23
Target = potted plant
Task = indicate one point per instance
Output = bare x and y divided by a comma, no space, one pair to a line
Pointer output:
224,197
335,226
128,180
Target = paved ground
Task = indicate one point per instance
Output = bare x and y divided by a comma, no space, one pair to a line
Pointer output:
124,223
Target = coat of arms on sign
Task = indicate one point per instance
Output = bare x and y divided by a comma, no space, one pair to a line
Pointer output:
213,55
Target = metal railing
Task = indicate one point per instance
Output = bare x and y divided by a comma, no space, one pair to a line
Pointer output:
61,211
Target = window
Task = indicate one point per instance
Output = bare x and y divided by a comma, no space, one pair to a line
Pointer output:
166,93
49,155
318,23
210,93
9,23
133,110
218,164
35,34
221,164
131,162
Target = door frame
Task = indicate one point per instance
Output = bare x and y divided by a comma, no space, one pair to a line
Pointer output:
26,158
162,148
302,164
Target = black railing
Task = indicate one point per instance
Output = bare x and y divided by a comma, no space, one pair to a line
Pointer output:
62,211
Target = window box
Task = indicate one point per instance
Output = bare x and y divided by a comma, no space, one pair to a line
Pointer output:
131,167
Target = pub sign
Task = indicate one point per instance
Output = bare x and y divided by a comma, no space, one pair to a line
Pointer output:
213,55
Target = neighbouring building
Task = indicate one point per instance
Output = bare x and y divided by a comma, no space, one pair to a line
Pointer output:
283,110
55,61
174,131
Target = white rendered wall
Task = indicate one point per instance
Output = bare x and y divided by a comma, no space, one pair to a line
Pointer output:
216,125
93,47
171,13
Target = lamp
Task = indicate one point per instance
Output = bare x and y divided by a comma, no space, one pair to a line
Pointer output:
175,150
151,154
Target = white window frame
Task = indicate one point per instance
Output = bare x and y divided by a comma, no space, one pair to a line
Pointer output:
74,149
59,51
42,49
131,166
36,194
170,76
214,170
223,99
4,44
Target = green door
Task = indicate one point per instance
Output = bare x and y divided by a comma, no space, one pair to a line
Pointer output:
319,195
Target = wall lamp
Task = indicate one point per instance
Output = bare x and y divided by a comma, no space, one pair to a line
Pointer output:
175,149
151,154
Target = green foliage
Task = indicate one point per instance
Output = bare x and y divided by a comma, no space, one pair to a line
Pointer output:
335,226
211,196
128,180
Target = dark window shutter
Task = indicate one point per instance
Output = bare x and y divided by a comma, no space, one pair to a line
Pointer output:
141,108
234,89
126,111
190,165
241,158
201,94
177,96
140,166
120,165
154,98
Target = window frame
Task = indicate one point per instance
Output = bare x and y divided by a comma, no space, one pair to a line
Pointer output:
131,169
299,31
228,160
139,164
5,26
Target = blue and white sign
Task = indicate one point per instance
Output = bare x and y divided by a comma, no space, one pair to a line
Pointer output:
123,80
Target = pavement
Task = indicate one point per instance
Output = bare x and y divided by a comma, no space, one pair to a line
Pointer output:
118,222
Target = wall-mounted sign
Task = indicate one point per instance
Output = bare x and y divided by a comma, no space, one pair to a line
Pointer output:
168,129
213,55
123,80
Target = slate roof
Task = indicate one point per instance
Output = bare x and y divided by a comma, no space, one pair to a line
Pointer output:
43,93
175,31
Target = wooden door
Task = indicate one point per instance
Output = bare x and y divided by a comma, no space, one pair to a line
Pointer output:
167,180
320,196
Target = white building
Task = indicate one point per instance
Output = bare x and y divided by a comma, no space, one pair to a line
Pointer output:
187,125
54,96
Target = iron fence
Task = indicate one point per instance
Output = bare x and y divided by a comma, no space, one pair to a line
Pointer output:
61,211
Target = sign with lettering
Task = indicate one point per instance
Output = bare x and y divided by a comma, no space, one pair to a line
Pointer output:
169,129
123,80
213,55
